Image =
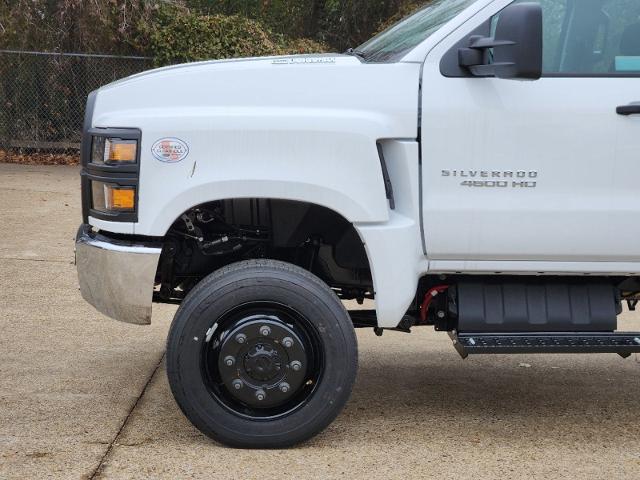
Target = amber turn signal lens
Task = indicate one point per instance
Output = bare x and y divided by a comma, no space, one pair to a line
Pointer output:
120,199
120,151
109,198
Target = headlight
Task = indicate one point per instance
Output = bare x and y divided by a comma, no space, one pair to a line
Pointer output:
114,151
110,198
110,173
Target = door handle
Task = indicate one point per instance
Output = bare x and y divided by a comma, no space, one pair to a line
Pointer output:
631,109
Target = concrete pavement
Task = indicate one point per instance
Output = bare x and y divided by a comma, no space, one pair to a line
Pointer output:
68,378
85,397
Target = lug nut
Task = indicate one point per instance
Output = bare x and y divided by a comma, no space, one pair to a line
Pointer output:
265,331
287,342
296,366
241,338
238,384
261,395
229,361
285,387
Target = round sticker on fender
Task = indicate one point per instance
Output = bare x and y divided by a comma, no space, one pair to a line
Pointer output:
170,150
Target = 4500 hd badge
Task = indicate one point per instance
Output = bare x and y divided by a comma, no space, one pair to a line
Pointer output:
495,178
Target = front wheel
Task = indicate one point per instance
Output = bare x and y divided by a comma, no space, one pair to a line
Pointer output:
261,354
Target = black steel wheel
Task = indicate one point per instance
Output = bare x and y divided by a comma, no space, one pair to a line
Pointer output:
261,354
262,360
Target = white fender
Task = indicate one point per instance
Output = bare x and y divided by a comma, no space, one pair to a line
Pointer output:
303,130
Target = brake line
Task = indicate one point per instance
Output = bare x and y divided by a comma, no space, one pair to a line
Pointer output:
431,294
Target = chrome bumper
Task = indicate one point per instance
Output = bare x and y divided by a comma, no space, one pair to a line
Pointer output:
116,277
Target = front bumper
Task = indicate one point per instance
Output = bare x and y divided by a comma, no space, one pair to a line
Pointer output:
117,277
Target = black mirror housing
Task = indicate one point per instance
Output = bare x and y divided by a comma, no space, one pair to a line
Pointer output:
522,25
515,50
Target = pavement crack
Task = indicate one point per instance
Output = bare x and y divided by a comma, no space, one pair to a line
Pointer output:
40,260
31,190
98,470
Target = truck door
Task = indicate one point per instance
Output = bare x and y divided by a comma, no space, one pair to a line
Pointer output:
539,171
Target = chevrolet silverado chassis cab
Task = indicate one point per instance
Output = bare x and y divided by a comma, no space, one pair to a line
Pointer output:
474,168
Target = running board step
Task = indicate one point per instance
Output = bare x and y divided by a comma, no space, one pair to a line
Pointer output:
624,343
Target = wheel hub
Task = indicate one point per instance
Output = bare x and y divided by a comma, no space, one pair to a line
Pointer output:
262,361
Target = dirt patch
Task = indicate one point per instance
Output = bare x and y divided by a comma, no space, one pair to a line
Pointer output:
39,158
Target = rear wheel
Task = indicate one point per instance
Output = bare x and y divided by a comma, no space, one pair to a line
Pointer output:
261,354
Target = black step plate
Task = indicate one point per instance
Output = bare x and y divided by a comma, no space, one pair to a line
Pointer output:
624,343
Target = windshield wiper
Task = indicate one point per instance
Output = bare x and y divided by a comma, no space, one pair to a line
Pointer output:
356,53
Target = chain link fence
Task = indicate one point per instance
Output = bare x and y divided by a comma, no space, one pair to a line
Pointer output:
43,95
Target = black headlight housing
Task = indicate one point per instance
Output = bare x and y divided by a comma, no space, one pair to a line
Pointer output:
110,159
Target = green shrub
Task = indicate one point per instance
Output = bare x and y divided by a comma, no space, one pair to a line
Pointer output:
292,18
184,30
338,23
180,35
301,46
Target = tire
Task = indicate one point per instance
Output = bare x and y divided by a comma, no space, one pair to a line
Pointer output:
286,380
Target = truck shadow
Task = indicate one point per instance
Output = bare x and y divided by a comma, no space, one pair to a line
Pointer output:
419,396
509,398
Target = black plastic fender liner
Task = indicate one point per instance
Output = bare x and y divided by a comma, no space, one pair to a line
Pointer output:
530,306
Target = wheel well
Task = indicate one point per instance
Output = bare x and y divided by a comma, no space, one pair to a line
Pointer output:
210,236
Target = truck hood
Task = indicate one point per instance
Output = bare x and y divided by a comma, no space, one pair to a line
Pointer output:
330,81
247,63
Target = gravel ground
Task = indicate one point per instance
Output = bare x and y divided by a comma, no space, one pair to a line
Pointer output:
85,397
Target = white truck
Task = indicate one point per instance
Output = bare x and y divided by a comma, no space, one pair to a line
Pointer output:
473,168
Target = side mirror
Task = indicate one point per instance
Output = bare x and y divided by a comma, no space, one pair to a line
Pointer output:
514,52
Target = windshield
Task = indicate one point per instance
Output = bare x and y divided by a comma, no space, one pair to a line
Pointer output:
394,43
